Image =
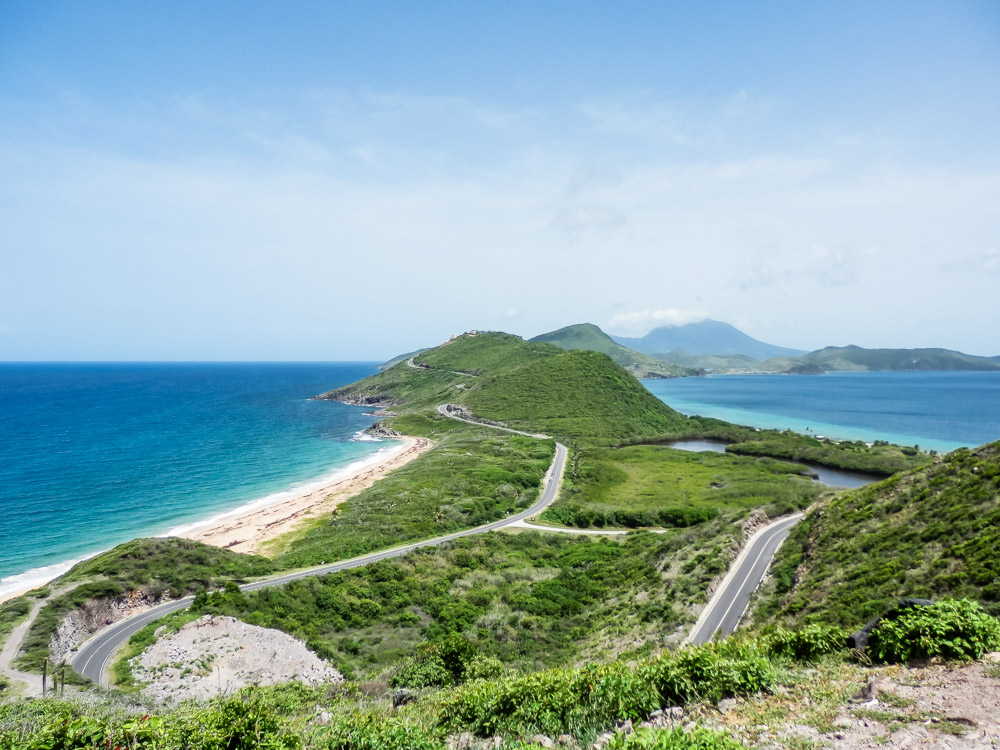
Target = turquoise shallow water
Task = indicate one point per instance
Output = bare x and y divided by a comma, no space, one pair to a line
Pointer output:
935,410
93,455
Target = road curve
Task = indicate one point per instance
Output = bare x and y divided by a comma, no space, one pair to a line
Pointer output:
730,601
95,655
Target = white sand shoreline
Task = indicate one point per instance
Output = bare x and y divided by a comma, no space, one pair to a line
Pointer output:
247,527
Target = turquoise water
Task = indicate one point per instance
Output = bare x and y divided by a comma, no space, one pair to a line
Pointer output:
96,454
935,410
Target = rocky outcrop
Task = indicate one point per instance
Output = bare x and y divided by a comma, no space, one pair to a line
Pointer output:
380,401
380,431
78,625
220,655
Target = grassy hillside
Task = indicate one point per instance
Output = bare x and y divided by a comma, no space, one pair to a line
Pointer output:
933,532
473,476
575,395
487,353
588,337
443,371
160,567
578,395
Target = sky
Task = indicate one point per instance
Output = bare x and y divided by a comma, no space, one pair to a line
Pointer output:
351,180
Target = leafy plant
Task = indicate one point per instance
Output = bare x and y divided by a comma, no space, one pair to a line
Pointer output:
948,629
675,738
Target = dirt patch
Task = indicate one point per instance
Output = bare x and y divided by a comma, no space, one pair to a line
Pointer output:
219,655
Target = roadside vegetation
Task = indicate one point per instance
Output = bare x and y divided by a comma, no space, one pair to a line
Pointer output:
771,673
653,485
472,477
527,600
929,533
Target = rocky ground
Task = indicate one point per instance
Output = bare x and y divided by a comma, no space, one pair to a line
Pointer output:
929,706
220,655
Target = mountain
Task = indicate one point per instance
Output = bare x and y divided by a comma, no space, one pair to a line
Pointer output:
706,337
589,337
857,358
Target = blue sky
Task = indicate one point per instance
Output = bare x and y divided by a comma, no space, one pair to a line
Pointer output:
350,180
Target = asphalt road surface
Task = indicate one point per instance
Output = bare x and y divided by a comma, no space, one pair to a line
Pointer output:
94,656
730,601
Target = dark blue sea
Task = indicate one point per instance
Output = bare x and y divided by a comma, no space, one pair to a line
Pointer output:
936,410
93,455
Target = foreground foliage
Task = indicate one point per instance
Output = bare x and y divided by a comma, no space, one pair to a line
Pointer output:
948,629
582,702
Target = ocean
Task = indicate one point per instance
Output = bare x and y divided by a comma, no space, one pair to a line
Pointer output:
93,455
938,411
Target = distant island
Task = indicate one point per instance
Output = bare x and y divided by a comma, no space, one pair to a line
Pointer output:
711,346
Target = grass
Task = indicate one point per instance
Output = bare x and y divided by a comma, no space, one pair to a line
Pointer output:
578,396
659,486
929,533
472,477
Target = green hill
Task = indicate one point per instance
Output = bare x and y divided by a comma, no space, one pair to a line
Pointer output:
932,532
577,395
588,337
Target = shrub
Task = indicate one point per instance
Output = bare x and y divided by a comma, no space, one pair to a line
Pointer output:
948,628
805,644
483,667
429,671
674,739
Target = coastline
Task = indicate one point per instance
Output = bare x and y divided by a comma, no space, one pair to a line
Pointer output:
247,527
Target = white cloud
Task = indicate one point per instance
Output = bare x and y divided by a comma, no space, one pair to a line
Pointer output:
512,312
987,261
640,322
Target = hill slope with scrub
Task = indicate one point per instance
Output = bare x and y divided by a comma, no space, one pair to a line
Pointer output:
929,533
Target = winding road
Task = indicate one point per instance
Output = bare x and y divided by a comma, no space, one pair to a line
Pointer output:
725,610
722,613
94,656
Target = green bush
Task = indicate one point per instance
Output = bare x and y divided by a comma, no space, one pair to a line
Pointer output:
674,739
807,643
244,722
949,629
575,700
429,671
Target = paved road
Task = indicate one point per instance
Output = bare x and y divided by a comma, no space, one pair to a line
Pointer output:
94,656
730,601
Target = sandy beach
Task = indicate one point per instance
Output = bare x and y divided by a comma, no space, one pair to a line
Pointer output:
247,532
